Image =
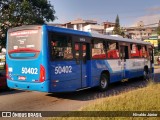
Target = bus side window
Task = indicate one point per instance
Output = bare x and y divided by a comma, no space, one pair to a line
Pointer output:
112,51
143,52
61,47
135,51
98,49
76,47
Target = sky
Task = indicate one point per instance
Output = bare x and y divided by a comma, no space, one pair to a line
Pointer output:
129,11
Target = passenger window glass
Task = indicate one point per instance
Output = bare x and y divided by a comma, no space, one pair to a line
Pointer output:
135,51
84,51
98,50
61,47
112,51
77,56
143,52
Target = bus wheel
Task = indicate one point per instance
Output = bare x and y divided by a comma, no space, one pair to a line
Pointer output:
146,74
103,82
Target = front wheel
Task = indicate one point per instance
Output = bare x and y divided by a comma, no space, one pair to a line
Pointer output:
104,81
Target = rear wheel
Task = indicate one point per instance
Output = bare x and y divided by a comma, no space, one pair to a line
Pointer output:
104,81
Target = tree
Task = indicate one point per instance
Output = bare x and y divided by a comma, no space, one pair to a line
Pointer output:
117,29
158,28
23,12
158,32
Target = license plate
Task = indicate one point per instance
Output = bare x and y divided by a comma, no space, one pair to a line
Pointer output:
21,78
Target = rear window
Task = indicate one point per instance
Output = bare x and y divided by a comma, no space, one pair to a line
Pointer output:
24,40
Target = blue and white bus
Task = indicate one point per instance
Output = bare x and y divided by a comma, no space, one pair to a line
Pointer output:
52,59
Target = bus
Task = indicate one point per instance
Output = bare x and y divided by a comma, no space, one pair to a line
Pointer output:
53,59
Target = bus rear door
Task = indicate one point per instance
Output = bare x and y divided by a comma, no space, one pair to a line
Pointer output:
81,61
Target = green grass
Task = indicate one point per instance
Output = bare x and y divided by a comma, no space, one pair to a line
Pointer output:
142,99
156,66
1,67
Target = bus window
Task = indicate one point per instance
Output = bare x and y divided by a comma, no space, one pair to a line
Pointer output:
98,50
61,47
143,52
84,51
77,56
135,51
24,41
112,51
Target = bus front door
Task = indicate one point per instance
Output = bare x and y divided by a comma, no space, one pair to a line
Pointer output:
124,56
81,62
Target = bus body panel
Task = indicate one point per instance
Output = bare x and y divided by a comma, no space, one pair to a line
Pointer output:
24,67
66,75
135,67
69,76
112,66
43,87
25,74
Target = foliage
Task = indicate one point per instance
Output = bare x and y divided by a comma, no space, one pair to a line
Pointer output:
117,29
158,30
23,12
157,49
156,52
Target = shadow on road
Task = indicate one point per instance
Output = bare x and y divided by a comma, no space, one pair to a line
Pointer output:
9,91
114,89
157,77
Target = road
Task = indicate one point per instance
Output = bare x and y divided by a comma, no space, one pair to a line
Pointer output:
17,100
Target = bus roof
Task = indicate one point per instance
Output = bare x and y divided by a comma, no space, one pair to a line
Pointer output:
68,31
94,35
118,38
83,33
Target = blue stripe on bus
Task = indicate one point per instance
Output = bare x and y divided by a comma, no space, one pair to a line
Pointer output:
133,73
108,66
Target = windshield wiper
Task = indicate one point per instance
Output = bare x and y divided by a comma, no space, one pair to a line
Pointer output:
25,50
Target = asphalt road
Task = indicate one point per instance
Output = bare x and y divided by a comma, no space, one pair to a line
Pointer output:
17,100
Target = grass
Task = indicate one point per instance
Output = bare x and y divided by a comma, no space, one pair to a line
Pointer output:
1,67
156,66
142,99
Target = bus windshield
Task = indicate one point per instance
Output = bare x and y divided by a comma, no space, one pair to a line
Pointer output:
26,40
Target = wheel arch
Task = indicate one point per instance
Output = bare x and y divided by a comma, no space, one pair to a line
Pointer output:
107,73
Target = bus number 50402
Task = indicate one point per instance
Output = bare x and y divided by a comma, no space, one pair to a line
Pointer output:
26,70
64,69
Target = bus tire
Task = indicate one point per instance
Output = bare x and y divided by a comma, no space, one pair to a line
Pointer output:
104,82
146,74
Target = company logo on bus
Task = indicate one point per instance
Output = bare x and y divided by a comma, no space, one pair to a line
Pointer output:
24,32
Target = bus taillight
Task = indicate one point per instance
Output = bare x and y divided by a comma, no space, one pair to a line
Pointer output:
42,74
7,75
